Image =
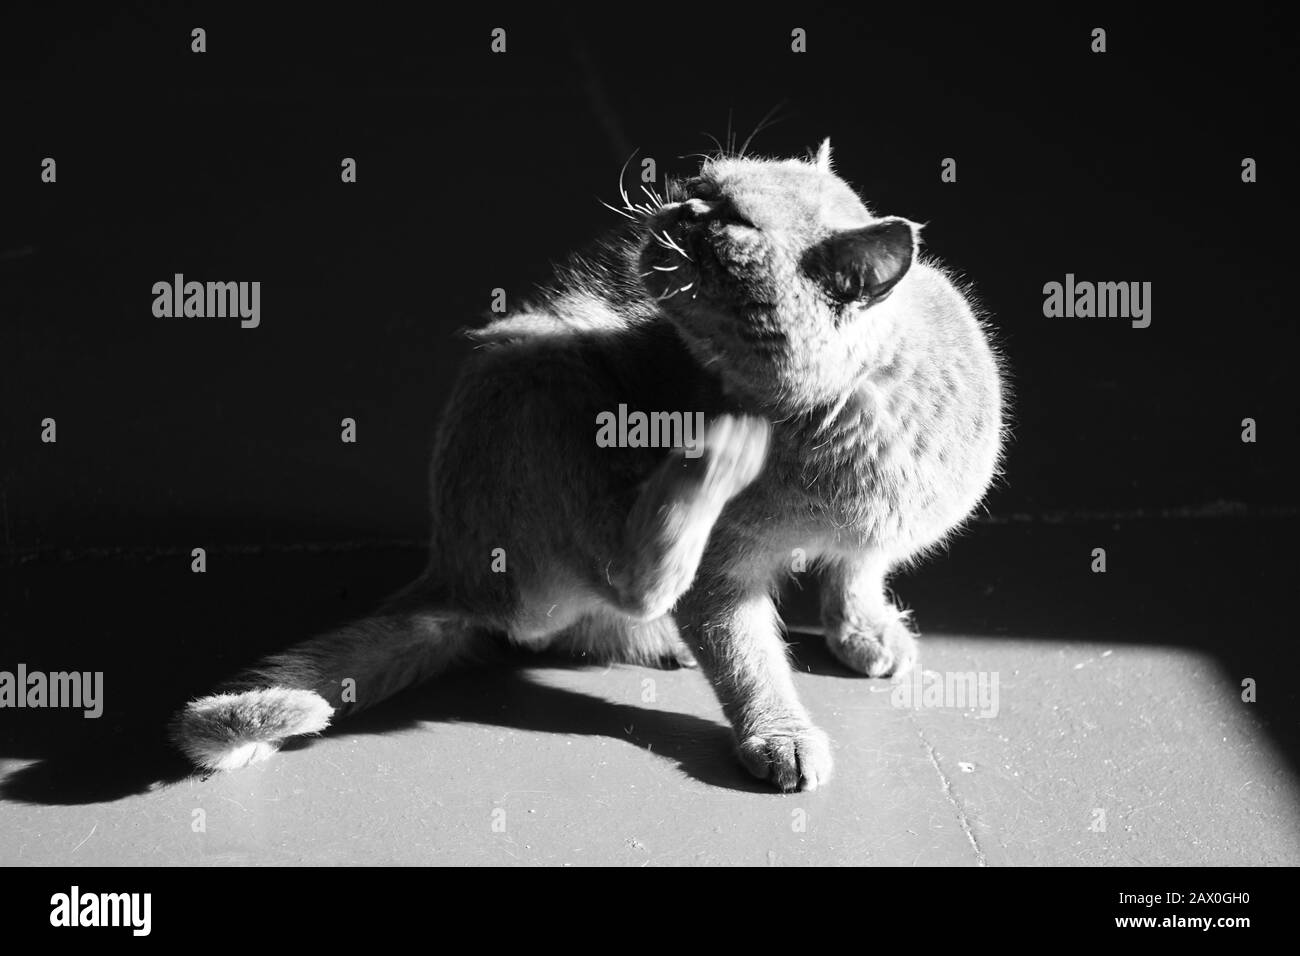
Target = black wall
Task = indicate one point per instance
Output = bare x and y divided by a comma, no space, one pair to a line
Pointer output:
476,170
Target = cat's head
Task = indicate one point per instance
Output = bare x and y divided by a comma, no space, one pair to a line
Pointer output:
771,270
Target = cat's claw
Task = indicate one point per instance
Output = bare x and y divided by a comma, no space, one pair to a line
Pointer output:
791,759
889,651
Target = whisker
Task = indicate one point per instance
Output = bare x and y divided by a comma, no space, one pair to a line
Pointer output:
678,248
619,211
623,172
763,124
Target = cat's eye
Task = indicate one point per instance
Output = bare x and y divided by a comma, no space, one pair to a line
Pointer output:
729,217
725,213
697,188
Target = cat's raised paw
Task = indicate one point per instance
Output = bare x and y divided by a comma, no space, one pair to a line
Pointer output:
735,447
887,651
797,759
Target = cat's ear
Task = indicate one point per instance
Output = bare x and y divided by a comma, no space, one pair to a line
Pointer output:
864,265
822,160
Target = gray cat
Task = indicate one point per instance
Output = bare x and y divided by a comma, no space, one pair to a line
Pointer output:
854,416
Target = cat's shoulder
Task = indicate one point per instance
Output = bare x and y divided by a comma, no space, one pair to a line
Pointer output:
594,293
941,289
575,317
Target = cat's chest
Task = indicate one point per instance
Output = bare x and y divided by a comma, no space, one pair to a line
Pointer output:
891,450
852,443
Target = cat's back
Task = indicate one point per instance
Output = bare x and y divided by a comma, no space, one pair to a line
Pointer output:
584,355
532,394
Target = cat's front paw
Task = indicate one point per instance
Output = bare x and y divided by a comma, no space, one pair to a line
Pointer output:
735,447
889,650
791,758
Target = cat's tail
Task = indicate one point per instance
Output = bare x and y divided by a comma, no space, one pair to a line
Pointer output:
301,690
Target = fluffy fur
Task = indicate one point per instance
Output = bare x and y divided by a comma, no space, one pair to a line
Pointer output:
229,731
855,419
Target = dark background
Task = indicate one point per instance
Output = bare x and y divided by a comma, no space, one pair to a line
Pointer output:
477,170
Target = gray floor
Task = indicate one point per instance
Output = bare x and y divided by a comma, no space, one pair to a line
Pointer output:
1120,735
1148,743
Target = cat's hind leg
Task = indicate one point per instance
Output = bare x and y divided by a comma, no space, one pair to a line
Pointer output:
865,631
605,636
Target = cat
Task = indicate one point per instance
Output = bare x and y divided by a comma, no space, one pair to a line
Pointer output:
854,409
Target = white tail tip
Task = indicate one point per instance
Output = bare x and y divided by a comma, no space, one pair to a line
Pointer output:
228,731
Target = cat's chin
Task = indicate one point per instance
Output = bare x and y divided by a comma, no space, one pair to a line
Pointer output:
766,391
721,310
774,389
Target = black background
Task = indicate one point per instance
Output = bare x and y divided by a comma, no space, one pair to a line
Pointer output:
477,170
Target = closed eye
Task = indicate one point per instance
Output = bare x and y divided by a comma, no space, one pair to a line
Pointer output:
728,215
733,218
693,188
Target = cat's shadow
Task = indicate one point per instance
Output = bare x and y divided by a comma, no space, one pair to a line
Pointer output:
515,696
510,693
68,760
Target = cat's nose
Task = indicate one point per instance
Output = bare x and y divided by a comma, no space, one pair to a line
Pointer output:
697,209
687,211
